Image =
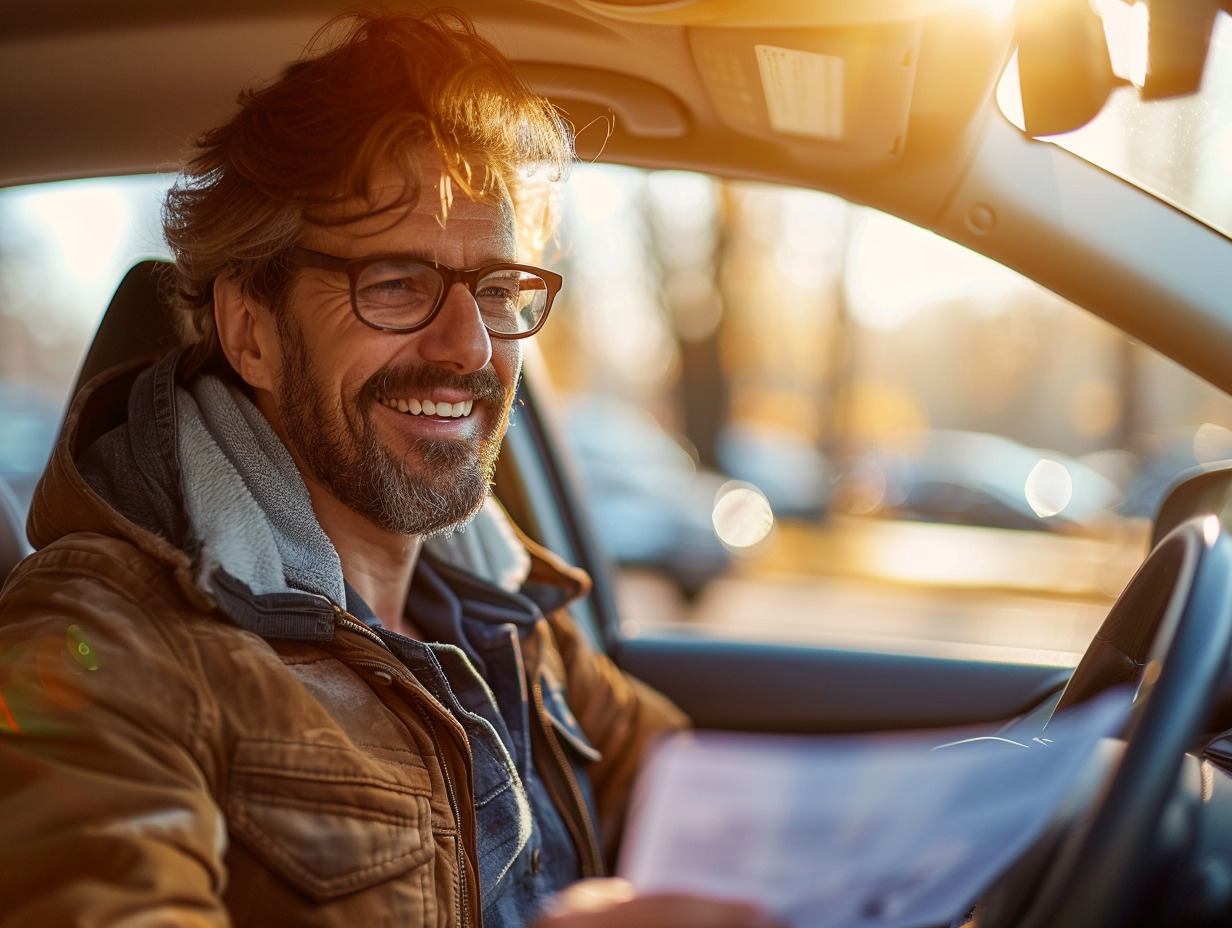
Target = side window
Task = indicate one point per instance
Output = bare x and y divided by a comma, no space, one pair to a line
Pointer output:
64,248
800,419
797,419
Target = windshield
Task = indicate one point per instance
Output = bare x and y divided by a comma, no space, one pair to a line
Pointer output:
1179,148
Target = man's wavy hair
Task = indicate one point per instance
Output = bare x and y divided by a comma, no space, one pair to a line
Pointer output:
372,86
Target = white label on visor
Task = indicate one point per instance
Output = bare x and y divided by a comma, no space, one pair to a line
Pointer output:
804,91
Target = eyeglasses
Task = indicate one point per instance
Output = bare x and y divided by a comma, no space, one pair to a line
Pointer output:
402,293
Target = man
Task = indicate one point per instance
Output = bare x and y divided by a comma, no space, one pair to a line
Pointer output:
237,691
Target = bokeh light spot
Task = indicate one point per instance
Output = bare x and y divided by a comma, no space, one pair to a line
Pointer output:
1049,488
742,516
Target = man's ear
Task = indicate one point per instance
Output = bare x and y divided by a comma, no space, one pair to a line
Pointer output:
247,333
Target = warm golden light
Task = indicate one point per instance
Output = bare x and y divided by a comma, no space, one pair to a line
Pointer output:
997,9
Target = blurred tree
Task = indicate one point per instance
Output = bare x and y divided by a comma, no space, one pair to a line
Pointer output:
687,225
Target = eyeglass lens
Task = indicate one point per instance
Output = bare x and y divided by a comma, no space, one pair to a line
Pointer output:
394,295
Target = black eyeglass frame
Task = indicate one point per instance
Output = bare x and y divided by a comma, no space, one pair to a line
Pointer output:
352,267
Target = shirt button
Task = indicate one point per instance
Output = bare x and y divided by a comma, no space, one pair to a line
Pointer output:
534,861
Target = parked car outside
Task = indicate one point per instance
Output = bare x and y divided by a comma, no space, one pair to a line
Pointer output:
652,506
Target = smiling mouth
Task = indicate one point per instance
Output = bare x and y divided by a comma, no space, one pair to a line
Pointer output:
416,407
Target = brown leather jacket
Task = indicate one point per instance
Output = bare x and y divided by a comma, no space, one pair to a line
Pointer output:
161,764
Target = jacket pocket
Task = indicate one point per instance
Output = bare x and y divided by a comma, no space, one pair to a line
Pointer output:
327,818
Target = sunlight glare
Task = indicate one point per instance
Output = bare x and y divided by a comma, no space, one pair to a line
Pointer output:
86,225
997,9
896,269
1049,488
598,195
1118,34
1139,23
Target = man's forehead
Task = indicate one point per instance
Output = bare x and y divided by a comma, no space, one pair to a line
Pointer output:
421,184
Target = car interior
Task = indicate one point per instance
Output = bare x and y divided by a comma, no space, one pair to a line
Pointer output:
914,129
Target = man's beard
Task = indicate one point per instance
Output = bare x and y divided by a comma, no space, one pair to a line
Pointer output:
341,446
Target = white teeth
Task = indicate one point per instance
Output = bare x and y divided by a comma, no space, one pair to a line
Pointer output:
429,408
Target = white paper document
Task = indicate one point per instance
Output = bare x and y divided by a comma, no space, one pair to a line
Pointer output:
861,830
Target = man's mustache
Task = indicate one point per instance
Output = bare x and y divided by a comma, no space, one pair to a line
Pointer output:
411,380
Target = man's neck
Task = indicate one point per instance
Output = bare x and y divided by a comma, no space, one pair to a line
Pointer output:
377,563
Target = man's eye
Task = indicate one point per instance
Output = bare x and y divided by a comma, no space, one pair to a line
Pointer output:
498,291
396,287
397,283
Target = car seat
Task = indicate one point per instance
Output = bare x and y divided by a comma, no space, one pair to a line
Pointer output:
137,322
13,546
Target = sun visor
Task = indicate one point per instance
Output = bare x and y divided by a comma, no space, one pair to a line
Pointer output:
844,88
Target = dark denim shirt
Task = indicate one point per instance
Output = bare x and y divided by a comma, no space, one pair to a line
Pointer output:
473,665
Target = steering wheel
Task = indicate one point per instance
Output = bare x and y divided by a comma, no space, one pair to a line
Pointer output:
1169,633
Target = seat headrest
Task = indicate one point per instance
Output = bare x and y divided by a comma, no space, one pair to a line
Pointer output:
139,321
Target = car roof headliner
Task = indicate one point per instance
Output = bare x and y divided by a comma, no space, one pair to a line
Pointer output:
121,87
89,88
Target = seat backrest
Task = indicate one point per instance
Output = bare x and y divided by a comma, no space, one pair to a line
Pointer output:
138,321
13,546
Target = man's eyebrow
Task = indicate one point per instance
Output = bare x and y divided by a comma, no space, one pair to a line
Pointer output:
422,254
497,256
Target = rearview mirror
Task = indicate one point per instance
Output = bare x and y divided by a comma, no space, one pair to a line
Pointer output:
1071,53
1064,69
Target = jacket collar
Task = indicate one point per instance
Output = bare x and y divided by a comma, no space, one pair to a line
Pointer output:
135,498
115,471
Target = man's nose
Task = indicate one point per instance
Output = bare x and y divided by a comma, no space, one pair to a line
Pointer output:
457,337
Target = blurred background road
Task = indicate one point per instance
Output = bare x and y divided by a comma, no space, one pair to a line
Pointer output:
905,587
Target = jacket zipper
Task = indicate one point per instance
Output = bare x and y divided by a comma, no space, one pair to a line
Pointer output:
459,855
591,840
344,619
425,714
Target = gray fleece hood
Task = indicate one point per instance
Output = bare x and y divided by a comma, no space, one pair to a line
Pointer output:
197,466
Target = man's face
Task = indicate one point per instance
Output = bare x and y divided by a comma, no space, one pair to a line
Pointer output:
401,428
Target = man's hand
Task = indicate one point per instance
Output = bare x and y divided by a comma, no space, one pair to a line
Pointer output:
611,903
